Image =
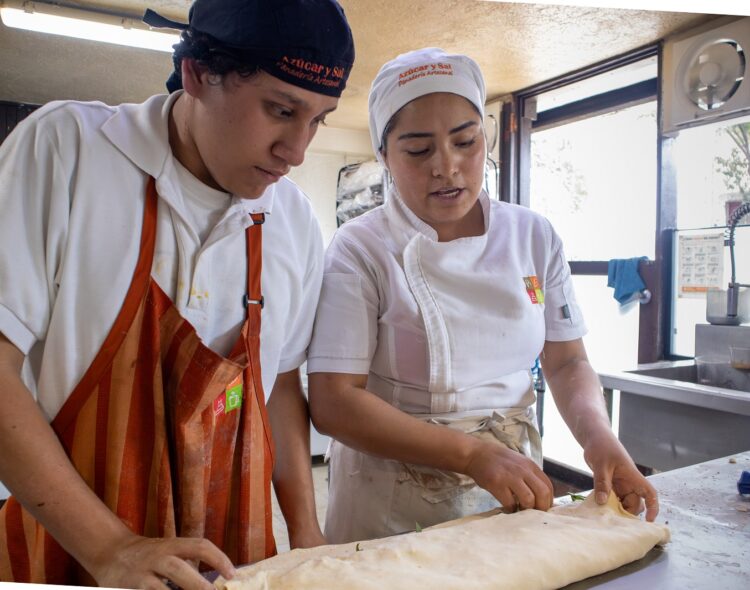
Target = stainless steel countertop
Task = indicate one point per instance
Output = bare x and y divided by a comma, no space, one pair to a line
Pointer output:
710,526
705,396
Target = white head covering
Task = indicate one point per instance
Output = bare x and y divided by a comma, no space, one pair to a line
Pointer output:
415,74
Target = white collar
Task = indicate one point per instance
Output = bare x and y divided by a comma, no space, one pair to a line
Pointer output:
400,214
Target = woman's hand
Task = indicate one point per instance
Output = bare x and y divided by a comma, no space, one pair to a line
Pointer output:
578,396
614,470
141,562
515,480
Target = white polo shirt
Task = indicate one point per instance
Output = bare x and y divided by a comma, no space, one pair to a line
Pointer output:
72,191
443,327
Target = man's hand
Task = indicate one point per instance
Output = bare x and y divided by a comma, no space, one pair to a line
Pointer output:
141,562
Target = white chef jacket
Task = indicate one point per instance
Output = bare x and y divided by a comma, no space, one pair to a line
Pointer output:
72,191
447,331
443,327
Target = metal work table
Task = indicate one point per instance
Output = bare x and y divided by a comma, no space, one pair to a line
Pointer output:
710,526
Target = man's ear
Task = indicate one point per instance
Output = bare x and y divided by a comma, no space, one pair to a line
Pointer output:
192,76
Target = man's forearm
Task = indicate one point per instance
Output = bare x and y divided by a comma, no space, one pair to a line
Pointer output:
35,468
292,475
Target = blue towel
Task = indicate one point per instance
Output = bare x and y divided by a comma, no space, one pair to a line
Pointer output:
622,274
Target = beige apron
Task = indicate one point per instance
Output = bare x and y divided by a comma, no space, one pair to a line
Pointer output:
371,497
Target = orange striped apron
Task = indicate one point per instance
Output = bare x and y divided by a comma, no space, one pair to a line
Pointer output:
160,430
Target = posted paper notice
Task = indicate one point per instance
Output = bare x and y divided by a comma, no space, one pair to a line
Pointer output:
701,264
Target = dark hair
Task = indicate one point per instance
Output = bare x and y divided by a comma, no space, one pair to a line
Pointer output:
388,128
210,53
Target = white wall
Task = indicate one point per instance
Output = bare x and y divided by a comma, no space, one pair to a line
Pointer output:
331,150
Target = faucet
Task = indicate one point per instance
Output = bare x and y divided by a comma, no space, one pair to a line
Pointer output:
733,290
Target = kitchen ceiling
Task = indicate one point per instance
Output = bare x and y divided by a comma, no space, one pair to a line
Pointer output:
516,45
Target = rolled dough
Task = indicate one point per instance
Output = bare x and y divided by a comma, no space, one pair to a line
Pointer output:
531,549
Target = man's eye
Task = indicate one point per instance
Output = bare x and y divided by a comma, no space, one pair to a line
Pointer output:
321,121
282,111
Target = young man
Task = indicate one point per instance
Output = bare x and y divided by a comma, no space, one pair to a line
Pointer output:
147,312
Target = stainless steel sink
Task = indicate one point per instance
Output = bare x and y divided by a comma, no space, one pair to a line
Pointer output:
669,417
721,375
678,413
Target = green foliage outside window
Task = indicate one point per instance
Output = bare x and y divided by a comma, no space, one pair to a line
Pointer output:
736,168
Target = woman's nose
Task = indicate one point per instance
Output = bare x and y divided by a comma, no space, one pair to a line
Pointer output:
444,163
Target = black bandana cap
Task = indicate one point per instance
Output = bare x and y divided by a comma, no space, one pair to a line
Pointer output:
307,43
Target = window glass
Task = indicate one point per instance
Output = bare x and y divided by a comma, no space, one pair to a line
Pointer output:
711,166
640,71
612,338
611,344
712,169
595,180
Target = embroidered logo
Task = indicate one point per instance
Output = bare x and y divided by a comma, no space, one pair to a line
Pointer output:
432,69
534,289
311,71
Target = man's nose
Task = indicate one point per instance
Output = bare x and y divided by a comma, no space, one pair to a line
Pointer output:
292,144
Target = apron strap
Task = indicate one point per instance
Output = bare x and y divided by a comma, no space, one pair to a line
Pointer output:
254,303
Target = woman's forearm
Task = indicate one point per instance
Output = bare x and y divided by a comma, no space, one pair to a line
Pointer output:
577,392
341,407
581,403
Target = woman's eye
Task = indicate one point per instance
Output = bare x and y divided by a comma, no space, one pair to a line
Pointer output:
417,152
465,144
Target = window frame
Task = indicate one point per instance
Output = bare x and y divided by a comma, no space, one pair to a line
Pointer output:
520,119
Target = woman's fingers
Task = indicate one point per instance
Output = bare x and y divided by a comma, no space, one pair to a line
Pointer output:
633,503
515,480
544,492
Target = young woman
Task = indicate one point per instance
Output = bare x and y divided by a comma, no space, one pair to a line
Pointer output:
433,310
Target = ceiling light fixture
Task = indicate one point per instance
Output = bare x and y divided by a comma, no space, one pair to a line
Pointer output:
84,24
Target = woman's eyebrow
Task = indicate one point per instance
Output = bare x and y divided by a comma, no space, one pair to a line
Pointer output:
417,134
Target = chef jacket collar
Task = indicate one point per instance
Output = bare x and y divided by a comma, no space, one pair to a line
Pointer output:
141,133
405,218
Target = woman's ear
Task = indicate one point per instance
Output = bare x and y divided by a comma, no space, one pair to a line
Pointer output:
384,158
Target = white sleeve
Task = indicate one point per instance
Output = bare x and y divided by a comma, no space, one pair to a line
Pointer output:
562,316
346,324
35,204
300,324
